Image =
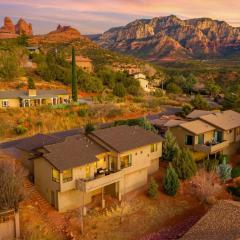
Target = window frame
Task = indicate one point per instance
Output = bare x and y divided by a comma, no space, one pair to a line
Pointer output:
67,179
55,179
154,148
5,103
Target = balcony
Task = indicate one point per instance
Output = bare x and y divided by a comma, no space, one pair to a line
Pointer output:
88,185
211,147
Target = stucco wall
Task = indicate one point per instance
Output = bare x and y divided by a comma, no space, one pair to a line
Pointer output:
11,102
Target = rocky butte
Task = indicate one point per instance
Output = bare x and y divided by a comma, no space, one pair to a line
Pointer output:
9,30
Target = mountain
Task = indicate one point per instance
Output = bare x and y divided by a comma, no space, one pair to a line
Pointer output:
9,30
172,38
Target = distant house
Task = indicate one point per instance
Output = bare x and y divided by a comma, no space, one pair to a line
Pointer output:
33,49
144,83
32,97
70,171
83,62
212,133
220,222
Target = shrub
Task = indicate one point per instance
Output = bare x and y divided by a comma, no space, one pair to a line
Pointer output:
31,84
235,172
171,181
158,93
186,109
20,129
174,88
114,113
234,190
153,188
224,171
211,165
199,102
82,112
119,90
89,128
184,164
224,157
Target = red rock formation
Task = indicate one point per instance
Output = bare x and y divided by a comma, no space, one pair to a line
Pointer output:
8,26
22,27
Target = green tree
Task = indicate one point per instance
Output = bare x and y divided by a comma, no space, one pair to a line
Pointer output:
198,102
144,123
184,164
213,88
31,83
74,77
171,181
186,109
224,171
119,90
174,88
170,146
153,188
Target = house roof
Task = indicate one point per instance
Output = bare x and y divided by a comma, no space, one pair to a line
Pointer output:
198,113
13,94
67,133
124,138
36,142
75,151
225,120
197,127
220,222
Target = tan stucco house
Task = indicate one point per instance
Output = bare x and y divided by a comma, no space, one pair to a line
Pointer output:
32,97
70,171
213,133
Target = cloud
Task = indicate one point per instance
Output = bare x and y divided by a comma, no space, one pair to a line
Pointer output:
91,16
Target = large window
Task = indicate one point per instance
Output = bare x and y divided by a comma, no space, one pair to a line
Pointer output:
188,140
5,103
238,131
126,161
67,175
154,147
55,175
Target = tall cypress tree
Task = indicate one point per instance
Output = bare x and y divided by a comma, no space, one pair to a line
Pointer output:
74,77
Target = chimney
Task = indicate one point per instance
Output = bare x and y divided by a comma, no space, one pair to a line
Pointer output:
32,92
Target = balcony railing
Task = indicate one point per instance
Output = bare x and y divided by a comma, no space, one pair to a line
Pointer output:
88,185
211,147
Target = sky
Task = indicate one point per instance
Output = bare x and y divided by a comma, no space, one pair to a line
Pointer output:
97,16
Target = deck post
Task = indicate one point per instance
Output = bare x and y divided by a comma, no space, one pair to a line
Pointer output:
103,200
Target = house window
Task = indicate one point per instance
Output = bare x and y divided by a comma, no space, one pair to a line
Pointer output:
188,140
67,175
88,173
5,103
126,161
201,139
55,175
238,131
154,148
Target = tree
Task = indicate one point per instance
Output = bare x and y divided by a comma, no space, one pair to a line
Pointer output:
213,88
89,128
186,109
74,77
171,181
11,183
174,88
119,90
144,123
224,171
153,188
184,164
170,146
31,84
199,103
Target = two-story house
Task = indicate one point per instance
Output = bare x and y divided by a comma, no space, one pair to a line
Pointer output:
214,133
114,161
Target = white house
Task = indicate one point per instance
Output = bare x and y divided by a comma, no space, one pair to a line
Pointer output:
143,81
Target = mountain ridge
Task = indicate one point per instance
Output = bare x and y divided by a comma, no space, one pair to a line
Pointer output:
191,38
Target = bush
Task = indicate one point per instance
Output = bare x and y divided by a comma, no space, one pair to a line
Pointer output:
234,190
235,172
89,128
224,171
82,112
186,109
224,157
170,146
211,165
153,188
114,113
171,181
158,93
200,103
119,90
20,129
173,88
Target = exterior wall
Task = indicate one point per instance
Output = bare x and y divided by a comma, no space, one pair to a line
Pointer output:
229,135
43,180
154,166
232,149
11,102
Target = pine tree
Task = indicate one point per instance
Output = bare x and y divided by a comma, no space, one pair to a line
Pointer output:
31,84
74,77
184,164
153,188
170,146
171,181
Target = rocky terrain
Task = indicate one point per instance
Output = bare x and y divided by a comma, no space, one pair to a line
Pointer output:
172,38
9,30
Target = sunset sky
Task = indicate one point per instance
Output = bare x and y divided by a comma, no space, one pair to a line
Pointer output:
96,16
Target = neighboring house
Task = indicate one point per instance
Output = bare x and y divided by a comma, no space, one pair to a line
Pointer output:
114,161
220,222
32,97
195,114
83,62
144,83
212,133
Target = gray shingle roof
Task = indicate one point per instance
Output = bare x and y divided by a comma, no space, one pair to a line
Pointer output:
14,94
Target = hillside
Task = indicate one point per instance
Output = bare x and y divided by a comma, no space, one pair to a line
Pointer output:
172,38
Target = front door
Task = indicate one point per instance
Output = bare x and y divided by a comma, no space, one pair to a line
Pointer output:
53,198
